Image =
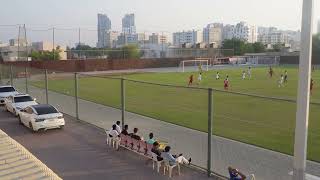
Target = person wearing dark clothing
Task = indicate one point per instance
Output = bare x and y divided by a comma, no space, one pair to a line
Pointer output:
125,130
155,149
134,135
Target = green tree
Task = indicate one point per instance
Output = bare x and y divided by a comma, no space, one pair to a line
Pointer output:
277,47
131,52
258,47
46,55
237,45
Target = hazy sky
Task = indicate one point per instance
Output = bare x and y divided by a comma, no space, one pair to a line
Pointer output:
151,15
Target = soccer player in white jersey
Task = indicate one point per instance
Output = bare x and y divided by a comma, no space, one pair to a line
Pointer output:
217,76
281,80
243,75
249,72
199,78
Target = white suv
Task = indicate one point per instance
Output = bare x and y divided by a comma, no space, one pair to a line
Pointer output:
5,92
17,102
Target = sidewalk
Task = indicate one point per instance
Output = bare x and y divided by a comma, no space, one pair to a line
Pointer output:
265,164
18,163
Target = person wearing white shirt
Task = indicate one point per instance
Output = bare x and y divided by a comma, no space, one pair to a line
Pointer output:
115,136
118,127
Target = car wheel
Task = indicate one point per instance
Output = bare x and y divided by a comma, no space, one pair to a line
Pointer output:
14,112
31,127
20,122
61,127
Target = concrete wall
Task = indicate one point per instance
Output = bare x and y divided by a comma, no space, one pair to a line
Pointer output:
295,60
99,65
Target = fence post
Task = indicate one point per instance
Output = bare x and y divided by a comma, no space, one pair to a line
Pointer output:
122,101
46,83
26,77
11,76
76,94
210,118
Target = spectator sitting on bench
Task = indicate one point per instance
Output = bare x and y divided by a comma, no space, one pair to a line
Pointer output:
134,135
118,128
173,159
155,149
115,135
151,139
235,174
125,130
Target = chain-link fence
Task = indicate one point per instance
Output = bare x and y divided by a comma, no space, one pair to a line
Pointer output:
216,128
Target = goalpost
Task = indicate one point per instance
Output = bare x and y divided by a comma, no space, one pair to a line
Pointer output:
200,61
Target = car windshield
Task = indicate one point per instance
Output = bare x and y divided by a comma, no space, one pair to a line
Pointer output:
22,99
45,110
7,89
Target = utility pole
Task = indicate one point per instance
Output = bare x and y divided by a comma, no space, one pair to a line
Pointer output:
161,39
19,43
53,48
25,36
79,38
302,113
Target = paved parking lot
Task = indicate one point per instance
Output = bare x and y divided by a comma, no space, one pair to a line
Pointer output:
79,152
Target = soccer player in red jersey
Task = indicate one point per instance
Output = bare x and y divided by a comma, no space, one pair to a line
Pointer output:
226,84
270,71
190,80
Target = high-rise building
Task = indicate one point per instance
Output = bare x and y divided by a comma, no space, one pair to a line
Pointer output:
128,24
157,39
228,31
245,32
104,25
111,39
213,33
319,26
273,37
190,37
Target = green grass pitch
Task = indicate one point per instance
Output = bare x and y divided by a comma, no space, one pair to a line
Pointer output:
263,122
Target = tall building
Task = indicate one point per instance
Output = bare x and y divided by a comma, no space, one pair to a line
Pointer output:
126,39
111,39
245,32
228,31
213,33
187,37
104,25
273,37
266,30
319,26
157,39
128,24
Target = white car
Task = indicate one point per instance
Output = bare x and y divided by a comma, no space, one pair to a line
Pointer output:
17,102
6,91
41,117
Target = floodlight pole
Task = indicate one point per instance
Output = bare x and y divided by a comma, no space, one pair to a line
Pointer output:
302,113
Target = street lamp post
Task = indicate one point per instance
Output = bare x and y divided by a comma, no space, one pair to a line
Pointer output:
302,113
